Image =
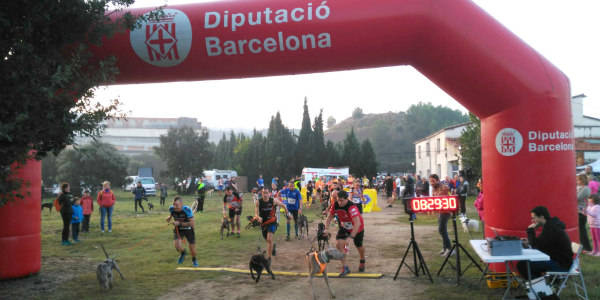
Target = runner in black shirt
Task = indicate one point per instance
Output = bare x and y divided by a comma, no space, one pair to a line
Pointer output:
183,219
265,211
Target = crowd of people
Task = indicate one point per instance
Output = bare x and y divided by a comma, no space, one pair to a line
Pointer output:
346,207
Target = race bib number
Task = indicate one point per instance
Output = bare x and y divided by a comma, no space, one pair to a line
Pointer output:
347,225
291,201
356,200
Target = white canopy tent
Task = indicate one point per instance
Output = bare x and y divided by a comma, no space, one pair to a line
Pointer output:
595,166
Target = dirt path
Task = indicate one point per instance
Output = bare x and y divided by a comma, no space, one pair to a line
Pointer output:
385,243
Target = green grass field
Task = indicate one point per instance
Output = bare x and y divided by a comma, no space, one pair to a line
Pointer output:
144,249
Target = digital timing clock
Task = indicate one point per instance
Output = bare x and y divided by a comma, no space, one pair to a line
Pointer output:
448,204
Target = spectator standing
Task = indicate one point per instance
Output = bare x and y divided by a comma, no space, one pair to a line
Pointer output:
76,218
106,200
389,189
593,213
583,192
440,189
419,186
590,173
139,193
201,196
425,189
260,182
593,185
479,205
87,204
66,211
163,194
462,191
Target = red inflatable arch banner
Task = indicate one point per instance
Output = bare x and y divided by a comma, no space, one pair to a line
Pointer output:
523,101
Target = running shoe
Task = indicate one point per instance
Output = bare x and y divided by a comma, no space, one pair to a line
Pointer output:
287,238
274,252
195,263
181,257
345,271
361,266
238,235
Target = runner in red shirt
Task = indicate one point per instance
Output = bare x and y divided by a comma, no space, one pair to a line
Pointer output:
351,227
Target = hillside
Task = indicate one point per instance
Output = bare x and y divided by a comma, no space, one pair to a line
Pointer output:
363,127
385,132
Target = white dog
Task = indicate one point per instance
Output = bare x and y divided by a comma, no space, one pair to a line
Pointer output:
469,225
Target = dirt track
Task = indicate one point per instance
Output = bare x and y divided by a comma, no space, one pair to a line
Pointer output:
385,243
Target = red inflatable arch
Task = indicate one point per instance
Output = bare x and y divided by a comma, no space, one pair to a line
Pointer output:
523,101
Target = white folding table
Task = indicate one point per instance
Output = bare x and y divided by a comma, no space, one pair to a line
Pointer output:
529,255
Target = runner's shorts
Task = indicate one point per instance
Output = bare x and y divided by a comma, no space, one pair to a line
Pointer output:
343,234
188,234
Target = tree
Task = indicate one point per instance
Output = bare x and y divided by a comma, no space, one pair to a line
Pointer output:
331,121
304,147
49,170
351,152
319,142
49,77
185,151
357,113
91,165
279,153
368,163
470,148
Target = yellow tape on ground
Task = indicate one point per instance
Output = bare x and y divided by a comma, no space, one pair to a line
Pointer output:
351,275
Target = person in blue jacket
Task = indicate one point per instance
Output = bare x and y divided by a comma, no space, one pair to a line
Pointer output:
76,219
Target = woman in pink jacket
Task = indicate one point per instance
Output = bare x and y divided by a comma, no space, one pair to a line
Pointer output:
106,200
479,204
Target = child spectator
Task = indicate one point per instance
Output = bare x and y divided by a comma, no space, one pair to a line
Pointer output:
87,204
76,219
593,212
255,195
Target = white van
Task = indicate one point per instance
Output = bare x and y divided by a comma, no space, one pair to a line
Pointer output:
211,177
309,174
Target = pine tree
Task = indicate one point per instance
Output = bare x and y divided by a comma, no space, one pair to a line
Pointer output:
319,142
351,152
368,160
304,148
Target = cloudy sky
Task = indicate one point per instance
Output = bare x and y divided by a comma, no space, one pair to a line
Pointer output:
567,33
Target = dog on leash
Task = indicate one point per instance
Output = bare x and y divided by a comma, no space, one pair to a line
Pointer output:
322,238
150,206
252,222
302,225
258,263
225,223
49,205
104,272
317,264
469,225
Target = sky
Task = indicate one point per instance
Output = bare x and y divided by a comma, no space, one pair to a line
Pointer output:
567,33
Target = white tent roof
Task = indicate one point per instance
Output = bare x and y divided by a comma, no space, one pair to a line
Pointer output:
595,166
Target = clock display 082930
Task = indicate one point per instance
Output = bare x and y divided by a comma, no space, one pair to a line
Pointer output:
433,204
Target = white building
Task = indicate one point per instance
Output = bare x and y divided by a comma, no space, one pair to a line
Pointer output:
587,133
139,135
438,152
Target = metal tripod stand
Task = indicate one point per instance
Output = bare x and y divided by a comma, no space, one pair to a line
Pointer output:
416,254
456,248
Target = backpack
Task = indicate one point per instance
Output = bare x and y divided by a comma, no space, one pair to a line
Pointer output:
56,204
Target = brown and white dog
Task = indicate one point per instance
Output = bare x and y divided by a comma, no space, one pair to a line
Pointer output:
317,264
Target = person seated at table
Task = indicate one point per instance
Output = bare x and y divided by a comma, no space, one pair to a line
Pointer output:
553,241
